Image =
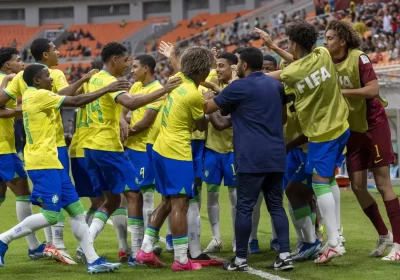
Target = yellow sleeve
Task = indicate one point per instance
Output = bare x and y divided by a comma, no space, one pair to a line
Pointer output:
85,88
60,82
48,100
115,94
134,88
196,106
155,105
14,88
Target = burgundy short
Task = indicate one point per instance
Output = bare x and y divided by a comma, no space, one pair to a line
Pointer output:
370,150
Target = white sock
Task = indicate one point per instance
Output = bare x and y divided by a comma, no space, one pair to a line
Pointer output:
336,195
148,206
57,231
239,261
137,232
194,229
120,227
180,253
80,230
24,210
308,229
284,255
89,218
148,243
95,228
320,217
233,199
24,228
49,235
168,231
326,204
296,224
213,213
256,218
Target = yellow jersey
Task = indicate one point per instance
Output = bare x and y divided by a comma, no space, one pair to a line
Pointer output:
155,128
138,141
81,131
38,108
7,136
103,116
183,106
17,87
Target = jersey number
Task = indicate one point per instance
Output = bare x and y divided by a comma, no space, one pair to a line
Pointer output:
81,122
93,107
166,110
26,128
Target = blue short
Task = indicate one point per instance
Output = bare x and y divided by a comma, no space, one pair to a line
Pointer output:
83,185
11,167
141,163
173,176
63,157
52,189
218,166
294,159
110,171
198,156
323,157
149,152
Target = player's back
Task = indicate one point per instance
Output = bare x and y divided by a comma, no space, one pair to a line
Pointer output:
182,107
103,116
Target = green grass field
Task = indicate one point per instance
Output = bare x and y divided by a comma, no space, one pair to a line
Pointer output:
359,234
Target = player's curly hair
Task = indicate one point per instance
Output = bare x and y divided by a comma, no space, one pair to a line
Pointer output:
303,34
196,61
6,54
345,32
111,49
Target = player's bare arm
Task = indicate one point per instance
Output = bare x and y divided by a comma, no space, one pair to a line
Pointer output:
276,75
212,86
209,106
133,102
71,90
168,50
145,123
273,47
370,90
80,100
220,122
4,97
10,113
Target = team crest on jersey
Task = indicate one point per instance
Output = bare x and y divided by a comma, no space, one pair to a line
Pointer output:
206,173
364,59
55,199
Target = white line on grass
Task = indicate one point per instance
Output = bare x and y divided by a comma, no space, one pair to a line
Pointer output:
250,270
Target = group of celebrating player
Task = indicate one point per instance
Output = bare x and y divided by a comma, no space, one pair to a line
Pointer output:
170,145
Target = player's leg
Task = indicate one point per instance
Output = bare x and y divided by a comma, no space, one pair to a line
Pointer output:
120,224
359,158
212,176
253,242
46,193
229,174
3,190
198,157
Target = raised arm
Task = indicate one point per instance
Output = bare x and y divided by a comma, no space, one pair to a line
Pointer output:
168,50
273,47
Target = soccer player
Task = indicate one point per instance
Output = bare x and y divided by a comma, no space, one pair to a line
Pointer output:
52,190
313,80
12,172
142,119
369,146
172,159
110,170
45,52
219,158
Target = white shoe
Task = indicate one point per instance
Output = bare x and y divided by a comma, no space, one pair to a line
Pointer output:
341,239
383,242
214,246
394,254
330,252
60,255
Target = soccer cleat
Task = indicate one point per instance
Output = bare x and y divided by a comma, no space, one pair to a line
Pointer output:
214,246
3,250
80,255
205,260
296,250
169,245
177,266
38,253
394,254
383,242
123,256
157,250
308,251
330,252
132,262
274,245
232,266
148,259
253,247
101,265
60,255
280,264
341,238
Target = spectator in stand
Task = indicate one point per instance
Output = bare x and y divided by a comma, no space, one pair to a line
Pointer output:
122,24
70,47
387,27
99,45
257,23
394,23
360,27
393,52
353,10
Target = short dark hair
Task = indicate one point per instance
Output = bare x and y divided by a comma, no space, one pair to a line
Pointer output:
345,32
147,60
230,57
112,48
38,47
31,72
6,54
97,63
303,34
271,58
253,57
